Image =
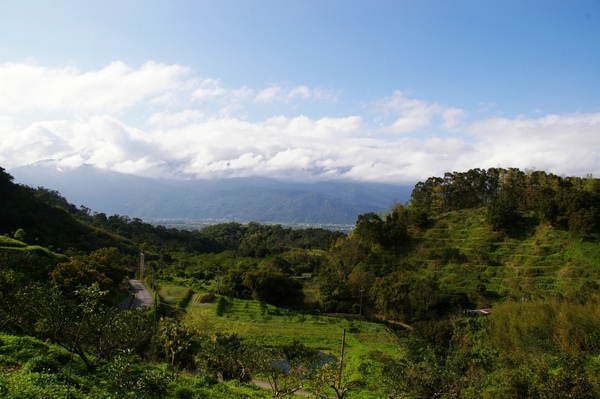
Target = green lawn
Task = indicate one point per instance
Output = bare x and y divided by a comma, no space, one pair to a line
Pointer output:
269,325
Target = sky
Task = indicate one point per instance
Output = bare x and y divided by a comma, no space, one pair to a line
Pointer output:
387,91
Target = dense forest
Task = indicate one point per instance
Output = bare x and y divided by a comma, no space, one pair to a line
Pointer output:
484,285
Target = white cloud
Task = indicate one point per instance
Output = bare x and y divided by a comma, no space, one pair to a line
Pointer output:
167,119
563,144
300,91
157,120
410,115
452,118
30,88
295,158
208,88
268,94
283,94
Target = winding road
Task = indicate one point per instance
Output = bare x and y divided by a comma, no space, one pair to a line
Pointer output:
142,297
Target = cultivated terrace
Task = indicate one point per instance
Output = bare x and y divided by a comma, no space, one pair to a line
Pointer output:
484,285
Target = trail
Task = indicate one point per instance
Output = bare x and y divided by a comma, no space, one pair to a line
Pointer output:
265,385
142,297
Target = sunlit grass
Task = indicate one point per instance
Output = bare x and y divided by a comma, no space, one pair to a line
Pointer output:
271,326
171,294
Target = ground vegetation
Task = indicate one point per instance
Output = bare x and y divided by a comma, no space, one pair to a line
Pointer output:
484,285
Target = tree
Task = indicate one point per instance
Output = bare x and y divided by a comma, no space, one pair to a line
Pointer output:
548,210
9,284
95,332
127,378
8,200
582,222
228,356
178,343
335,376
104,267
286,367
369,229
392,297
502,213
391,378
273,286
328,376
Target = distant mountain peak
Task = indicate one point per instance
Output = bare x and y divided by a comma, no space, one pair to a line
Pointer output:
260,199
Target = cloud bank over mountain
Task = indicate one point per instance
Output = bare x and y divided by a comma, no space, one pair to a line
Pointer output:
164,120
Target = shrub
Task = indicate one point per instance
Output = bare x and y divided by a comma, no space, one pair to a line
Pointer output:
208,298
185,301
42,364
184,393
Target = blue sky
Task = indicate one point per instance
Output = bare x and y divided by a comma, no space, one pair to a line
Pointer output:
393,91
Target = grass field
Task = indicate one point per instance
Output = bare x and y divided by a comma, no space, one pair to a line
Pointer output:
269,325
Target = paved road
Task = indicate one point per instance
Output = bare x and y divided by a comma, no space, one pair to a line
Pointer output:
142,296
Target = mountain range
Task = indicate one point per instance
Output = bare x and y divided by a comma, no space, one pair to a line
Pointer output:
257,199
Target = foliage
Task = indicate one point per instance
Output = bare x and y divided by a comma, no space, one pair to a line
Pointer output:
389,232
104,267
228,356
521,243
49,220
286,368
502,213
95,332
272,286
128,379
329,377
177,343
549,326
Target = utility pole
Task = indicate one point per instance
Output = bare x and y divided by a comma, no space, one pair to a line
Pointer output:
142,266
342,360
362,289
218,279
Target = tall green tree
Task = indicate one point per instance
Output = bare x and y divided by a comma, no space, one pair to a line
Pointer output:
502,213
105,267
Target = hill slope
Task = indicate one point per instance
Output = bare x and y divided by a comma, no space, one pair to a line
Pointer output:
466,255
44,219
243,199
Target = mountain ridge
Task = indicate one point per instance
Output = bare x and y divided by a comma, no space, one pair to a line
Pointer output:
257,199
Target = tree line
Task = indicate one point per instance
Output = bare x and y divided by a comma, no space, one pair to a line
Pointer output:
414,266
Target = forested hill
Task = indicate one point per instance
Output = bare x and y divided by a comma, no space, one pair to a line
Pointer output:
44,218
524,244
569,202
41,216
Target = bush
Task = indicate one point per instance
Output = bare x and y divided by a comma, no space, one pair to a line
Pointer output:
502,214
223,306
16,350
208,298
42,364
184,393
185,301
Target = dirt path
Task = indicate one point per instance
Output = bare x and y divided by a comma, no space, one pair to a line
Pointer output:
142,297
265,385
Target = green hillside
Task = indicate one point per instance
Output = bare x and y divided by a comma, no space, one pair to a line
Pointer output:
406,291
542,261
